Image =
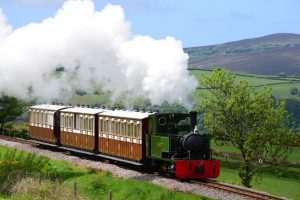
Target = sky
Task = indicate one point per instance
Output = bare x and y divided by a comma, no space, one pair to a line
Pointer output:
194,22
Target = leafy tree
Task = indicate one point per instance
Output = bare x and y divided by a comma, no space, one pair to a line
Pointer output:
282,75
118,105
251,120
10,108
294,91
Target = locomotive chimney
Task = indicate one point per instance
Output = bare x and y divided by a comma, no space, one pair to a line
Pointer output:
193,120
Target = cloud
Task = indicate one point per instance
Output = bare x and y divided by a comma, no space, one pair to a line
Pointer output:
96,49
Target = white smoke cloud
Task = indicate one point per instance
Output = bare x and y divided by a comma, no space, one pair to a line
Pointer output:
95,48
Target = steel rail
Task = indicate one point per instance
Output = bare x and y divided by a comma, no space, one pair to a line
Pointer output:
251,194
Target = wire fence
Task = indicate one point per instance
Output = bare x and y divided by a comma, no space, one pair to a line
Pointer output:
21,182
15,134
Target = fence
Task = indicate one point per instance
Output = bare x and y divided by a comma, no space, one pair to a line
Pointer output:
15,134
54,185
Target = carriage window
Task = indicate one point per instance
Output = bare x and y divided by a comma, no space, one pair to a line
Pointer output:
108,124
138,131
33,116
36,117
122,129
65,121
85,123
50,119
112,126
128,130
101,125
134,130
81,123
117,128
90,125
45,118
71,121
77,121
62,119
41,117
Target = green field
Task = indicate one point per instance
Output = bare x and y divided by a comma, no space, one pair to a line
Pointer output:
293,157
90,185
269,181
278,186
281,86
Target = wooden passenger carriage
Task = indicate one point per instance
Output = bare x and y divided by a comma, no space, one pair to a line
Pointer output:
79,128
122,133
44,123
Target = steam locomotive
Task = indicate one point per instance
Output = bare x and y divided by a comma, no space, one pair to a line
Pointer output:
168,142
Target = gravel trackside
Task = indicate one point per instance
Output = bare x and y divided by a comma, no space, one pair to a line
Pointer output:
126,173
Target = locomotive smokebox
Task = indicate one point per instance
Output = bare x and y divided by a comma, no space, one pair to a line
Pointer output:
195,143
193,120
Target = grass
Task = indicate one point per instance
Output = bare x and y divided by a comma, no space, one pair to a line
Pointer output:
294,156
95,185
269,182
92,185
279,90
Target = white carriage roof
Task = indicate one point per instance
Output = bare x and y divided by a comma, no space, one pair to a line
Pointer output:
125,114
82,110
48,107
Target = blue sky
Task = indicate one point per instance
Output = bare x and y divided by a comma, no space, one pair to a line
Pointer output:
194,22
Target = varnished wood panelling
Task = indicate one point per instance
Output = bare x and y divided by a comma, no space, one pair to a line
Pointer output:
119,148
43,134
77,140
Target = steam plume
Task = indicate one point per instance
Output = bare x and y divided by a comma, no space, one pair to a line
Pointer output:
94,48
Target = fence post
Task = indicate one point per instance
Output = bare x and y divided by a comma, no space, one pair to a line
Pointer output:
75,190
40,180
109,195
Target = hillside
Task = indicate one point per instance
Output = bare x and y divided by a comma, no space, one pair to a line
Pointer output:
270,54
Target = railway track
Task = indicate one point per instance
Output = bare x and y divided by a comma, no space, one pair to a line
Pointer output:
250,194
17,139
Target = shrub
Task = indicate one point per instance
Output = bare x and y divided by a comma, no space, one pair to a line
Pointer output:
282,74
15,165
34,188
294,91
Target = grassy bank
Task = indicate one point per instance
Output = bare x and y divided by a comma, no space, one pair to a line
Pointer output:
90,183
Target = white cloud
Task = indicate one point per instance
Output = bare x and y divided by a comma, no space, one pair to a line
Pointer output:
102,44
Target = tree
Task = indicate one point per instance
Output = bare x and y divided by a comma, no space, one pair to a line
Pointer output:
282,75
10,108
294,91
250,119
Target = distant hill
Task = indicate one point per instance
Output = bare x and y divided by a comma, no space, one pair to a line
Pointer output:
271,54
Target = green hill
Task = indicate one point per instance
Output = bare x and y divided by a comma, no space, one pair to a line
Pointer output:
271,54
282,88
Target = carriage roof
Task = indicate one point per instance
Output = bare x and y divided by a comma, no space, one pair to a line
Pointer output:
83,110
48,107
125,114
